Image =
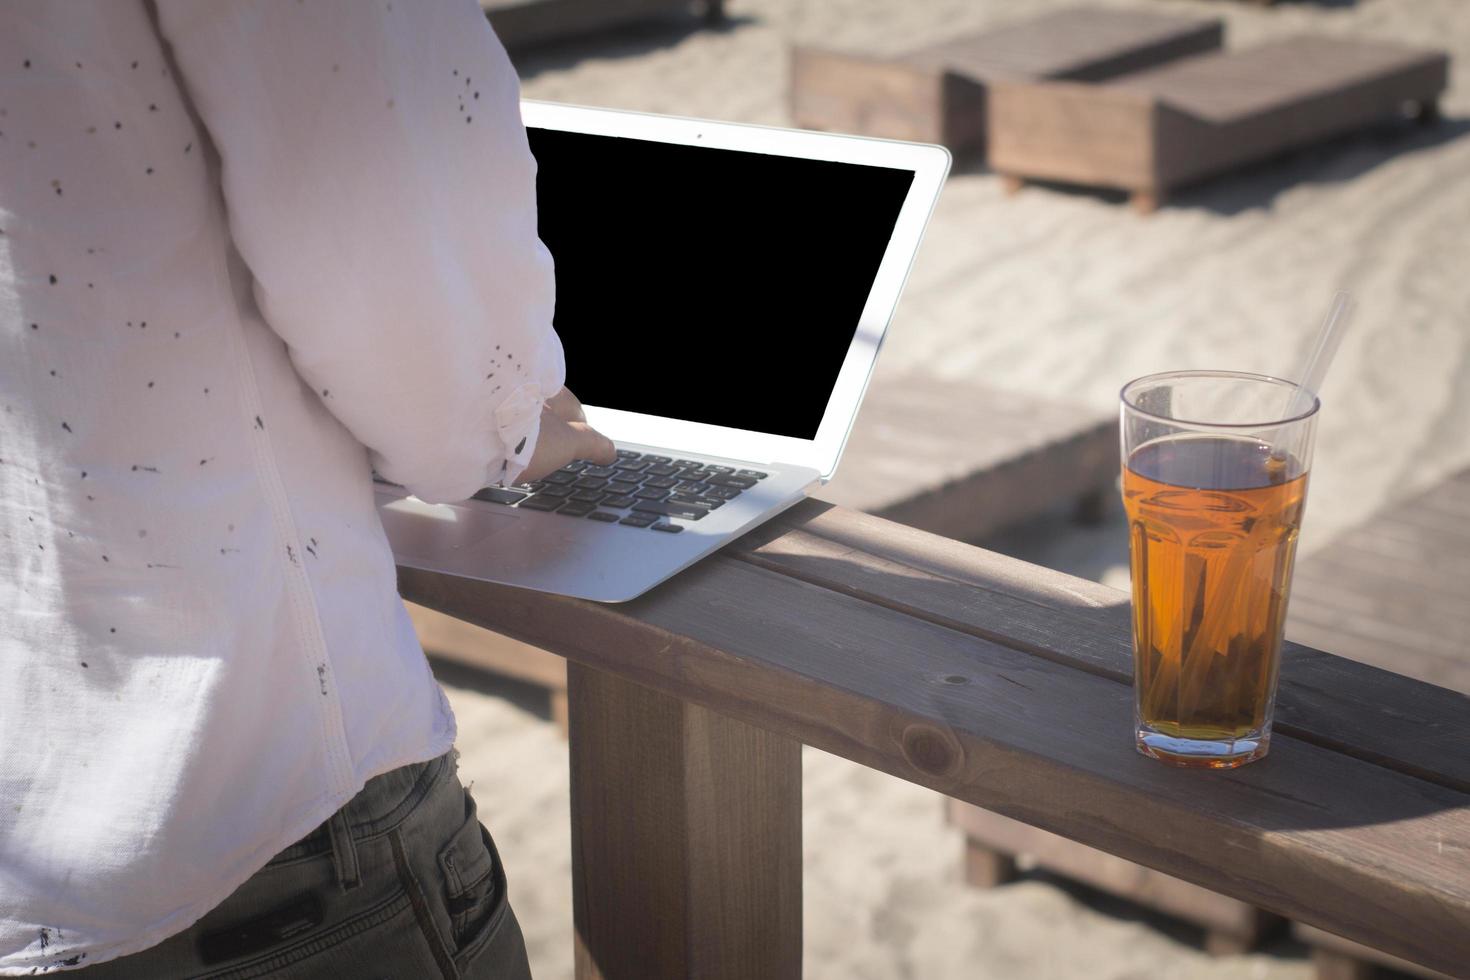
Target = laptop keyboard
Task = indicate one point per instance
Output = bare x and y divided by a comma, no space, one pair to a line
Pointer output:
638,491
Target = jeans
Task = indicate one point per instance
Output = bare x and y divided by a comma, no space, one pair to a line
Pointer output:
401,883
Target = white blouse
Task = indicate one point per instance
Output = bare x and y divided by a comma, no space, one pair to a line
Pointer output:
202,650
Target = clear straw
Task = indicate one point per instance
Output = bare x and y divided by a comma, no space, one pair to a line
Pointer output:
1314,369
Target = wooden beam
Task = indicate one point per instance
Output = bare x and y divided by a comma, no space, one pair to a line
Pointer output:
686,838
1356,825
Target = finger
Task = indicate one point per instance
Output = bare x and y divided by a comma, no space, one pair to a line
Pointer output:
556,446
593,445
566,406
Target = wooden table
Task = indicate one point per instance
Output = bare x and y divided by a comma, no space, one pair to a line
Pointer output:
987,679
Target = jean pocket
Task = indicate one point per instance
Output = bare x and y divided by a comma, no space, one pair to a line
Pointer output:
474,883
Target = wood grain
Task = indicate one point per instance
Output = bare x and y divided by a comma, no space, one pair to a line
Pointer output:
964,461
937,93
686,838
1395,592
1375,715
1159,128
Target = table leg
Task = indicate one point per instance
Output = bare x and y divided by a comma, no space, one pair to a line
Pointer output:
686,838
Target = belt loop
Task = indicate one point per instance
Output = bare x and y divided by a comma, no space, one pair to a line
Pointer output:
344,852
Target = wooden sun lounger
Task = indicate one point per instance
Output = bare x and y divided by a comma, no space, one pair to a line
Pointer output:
1394,592
965,461
1150,131
936,94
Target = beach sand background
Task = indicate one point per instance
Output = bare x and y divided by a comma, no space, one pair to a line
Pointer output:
1065,294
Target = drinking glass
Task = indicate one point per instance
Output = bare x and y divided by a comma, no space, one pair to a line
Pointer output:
1214,482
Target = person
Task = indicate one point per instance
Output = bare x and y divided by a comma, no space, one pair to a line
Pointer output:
249,253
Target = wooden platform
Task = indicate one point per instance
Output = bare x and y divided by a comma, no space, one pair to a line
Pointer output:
992,681
963,460
1151,131
936,94
1395,591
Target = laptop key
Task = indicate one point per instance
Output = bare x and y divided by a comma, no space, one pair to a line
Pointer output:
499,495
685,462
662,469
590,496
718,469
753,474
561,478
576,466
605,516
666,526
690,512
739,482
634,465
556,492
660,482
724,493
656,459
651,493
627,454
590,483
621,486
694,501
541,502
600,471
576,508
619,501
638,520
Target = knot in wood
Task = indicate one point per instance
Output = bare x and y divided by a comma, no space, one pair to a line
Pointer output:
932,750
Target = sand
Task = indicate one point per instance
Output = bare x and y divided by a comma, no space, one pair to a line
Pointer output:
1067,294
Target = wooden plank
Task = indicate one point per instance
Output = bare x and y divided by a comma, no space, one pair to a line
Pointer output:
686,838
1370,714
1080,43
937,93
1218,914
1392,592
1346,949
1074,131
462,642
964,461
1153,130
1310,833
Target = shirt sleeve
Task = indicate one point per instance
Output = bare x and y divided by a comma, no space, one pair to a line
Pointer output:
380,187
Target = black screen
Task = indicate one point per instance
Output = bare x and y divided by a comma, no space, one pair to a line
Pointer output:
714,286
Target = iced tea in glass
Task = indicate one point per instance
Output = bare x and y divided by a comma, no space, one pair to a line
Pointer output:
1214,483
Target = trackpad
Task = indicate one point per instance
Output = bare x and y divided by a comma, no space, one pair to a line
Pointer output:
436,532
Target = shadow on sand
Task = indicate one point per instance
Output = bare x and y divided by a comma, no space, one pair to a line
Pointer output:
626,41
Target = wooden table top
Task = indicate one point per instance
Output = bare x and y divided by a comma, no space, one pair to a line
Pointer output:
1008,686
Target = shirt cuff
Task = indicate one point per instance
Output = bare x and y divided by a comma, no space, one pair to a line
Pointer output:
518,422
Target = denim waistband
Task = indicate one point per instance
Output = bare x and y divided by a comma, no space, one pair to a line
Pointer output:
383,803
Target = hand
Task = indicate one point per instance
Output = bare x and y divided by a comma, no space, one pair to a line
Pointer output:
565,436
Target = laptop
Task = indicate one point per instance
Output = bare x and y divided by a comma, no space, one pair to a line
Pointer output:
721,294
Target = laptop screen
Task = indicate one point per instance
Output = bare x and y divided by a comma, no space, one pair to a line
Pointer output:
709,285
